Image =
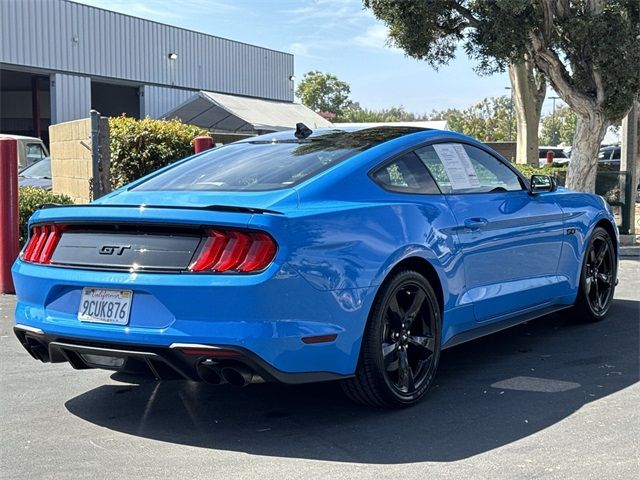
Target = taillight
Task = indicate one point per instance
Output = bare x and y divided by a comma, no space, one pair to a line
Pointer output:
235,251
42,244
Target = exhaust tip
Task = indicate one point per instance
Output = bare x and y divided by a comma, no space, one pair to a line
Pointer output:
37,350
237,376
208,374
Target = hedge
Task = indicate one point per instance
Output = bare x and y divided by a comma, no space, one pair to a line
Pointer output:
139,147
607,182
31,199
559,171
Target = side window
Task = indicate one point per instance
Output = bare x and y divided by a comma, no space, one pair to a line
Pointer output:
459,168
34,152
431,160
406,174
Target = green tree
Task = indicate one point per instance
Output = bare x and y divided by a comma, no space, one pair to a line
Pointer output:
323,92
490,120
357,114
587,49
529,90
563,124
431,30
442,114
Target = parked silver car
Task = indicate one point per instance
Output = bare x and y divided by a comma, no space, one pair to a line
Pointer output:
37,175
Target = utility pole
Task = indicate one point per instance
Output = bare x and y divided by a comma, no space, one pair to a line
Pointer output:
554,134
628,159
509,137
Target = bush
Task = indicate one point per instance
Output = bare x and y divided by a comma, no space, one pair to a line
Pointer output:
31,199
556,170
607,182
139,147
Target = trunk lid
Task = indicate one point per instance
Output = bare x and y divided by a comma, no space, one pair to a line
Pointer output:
127,247
153,231
275,200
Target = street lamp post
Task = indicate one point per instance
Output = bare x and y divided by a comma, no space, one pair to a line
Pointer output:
554,132
510,112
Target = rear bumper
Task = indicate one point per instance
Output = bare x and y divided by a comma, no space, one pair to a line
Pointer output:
178,361
266,316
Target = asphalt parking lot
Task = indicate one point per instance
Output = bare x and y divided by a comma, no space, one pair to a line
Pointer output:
549,399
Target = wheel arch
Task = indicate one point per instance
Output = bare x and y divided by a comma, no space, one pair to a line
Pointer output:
611,230
412,262
424,268
363,386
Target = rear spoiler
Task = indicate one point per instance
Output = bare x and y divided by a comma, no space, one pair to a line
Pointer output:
213,208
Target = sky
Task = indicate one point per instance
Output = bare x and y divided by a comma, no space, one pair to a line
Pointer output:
333,36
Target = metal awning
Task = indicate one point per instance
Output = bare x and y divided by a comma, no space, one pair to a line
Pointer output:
230,113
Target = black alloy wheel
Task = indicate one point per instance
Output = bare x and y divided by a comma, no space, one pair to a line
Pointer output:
598,278
401,346
408,343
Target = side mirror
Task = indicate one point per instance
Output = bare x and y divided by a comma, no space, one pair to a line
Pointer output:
542,183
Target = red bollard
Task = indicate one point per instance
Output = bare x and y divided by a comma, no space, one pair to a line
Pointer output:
9,245
202,143
549,157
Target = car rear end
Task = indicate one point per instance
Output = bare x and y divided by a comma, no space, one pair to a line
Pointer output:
207,269
172,292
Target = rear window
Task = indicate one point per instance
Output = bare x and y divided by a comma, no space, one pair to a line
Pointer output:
266,165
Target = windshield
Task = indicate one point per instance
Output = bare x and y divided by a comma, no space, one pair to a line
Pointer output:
41,169
265,164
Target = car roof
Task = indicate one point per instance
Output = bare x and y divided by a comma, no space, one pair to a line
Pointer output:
19,137
382,133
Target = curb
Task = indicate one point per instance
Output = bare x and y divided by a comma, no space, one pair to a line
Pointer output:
630,251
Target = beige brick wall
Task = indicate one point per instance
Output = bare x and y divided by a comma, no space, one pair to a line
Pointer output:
71,167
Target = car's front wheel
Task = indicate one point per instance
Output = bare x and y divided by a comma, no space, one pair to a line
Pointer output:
597,279
401,345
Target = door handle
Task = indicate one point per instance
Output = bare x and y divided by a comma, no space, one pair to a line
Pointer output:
475,223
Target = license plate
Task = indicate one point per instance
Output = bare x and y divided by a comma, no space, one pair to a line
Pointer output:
105,305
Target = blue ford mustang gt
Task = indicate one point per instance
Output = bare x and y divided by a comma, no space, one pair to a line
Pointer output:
351,255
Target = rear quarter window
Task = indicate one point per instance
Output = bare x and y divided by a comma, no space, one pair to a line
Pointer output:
406,174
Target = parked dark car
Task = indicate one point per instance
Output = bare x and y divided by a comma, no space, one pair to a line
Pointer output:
37,175
609,158
560,155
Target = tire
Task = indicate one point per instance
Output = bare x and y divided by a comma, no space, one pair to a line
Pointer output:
597,279
401,345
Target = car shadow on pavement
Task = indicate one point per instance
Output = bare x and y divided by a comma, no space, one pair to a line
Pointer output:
488,393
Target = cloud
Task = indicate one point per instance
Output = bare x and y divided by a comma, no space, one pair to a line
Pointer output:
161,10
326,13
376,36
300,49
136,9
